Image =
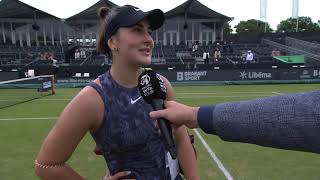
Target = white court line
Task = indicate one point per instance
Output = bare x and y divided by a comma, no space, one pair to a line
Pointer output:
213,156
254,92
35,118
39,99
17,96
182,97
278,93
191,97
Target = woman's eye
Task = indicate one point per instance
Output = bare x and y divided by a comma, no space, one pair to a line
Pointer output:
137,29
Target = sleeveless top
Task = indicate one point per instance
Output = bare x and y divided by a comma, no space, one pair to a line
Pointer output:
127,135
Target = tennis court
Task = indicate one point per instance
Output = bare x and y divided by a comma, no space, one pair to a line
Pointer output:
24,126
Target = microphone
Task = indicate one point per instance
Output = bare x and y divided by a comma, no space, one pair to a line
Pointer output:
153,91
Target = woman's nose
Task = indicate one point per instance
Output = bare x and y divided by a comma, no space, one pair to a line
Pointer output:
148,39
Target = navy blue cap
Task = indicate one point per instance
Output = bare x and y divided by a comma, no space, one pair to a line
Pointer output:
129,16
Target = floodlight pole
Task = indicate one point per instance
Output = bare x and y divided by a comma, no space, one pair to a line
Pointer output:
297,27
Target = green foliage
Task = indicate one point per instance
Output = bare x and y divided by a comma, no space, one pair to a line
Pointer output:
227,29
252,25
305,24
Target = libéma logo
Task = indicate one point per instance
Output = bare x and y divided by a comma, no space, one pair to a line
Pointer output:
243,75
255,75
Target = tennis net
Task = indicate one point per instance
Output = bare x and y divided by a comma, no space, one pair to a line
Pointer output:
18,91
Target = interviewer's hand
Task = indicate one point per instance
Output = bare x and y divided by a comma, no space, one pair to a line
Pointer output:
178,114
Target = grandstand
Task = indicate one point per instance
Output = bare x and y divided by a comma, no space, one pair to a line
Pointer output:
33,93
31,38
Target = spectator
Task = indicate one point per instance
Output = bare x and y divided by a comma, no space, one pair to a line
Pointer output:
217,54
77,54
54,64
195,47
243,56
249,57
45,56
275,52
83,54
205,57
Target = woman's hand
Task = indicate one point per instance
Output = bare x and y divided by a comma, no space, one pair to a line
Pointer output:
118,176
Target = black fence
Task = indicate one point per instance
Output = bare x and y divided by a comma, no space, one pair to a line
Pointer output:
74,74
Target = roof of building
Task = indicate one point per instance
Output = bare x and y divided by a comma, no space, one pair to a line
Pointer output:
19,10
195,9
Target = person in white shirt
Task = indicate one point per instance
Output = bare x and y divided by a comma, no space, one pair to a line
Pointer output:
205,57
249,57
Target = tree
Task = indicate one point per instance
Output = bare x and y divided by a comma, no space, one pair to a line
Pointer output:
305,25
227,29
252,25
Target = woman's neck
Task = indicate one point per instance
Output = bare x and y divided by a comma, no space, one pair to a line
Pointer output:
125,75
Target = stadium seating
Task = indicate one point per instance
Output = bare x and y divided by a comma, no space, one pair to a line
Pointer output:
170,55
17,55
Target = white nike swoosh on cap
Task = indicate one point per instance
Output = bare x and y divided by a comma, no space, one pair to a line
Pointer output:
134,101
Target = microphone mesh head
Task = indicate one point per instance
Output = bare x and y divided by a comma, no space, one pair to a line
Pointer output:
151,86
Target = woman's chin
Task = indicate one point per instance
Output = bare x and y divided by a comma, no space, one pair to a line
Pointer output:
146,61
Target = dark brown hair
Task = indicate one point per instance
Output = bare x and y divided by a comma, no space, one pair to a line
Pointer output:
106,15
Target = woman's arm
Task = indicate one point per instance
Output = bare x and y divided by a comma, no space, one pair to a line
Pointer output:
186,154
82,114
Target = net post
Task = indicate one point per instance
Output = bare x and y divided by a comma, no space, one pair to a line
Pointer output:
53,85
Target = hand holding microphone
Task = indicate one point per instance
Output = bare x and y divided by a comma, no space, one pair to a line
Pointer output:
153,91
178,114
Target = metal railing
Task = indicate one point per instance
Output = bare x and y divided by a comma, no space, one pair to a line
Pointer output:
311,59
313,48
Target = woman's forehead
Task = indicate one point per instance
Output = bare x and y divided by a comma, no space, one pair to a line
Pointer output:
143,23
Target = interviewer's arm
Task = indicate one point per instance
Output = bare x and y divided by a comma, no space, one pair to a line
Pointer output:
288,121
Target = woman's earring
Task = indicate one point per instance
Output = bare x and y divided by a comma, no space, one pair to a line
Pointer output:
116,49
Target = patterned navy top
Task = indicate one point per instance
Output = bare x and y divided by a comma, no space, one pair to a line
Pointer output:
127,136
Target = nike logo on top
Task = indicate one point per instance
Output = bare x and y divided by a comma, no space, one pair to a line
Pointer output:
134,101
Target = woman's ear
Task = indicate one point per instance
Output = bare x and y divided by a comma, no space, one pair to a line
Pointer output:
112,44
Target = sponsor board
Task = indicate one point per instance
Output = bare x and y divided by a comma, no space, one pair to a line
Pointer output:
191,75
74,80
316,73
46,85
255,75
305,74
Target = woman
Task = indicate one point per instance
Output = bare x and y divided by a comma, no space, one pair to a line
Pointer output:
112,110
